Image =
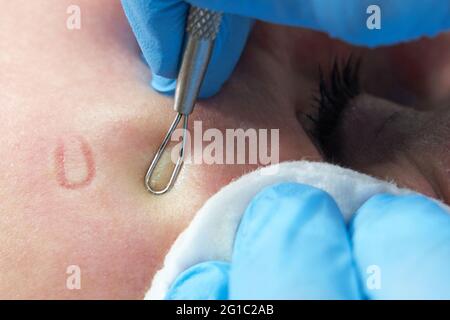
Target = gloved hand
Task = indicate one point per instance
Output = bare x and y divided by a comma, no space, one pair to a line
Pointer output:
159,27
293,244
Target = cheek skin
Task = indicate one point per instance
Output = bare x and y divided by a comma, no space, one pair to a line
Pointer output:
108,224
76,151
100,227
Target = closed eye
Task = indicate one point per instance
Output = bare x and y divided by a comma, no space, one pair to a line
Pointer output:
335,93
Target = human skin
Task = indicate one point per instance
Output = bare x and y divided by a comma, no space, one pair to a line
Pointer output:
80,124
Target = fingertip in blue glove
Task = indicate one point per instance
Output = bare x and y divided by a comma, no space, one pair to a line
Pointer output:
159,26
205,281
402,247
292,243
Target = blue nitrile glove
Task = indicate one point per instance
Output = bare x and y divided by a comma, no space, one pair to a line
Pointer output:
407,239
159,27
293,244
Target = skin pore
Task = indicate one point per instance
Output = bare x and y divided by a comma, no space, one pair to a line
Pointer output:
80,125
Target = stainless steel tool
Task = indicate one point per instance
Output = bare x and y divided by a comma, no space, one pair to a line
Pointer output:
202,28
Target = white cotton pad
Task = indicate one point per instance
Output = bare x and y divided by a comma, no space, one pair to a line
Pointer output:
211,233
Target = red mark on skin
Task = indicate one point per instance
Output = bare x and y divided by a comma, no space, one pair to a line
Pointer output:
60,164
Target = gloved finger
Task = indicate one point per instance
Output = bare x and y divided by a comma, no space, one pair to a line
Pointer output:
228,47
159,26
205,281
348,19
292,243
402,247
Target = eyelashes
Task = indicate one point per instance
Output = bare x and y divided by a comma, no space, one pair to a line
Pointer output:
335,93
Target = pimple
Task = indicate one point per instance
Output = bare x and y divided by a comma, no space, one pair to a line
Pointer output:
163,170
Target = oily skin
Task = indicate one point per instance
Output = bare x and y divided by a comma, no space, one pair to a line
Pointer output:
88,91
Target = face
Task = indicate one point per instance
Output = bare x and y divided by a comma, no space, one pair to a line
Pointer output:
81,124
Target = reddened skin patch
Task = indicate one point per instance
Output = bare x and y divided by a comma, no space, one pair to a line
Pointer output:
74,162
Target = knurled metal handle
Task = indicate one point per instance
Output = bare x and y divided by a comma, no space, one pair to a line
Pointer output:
202,28
203,23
